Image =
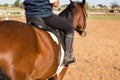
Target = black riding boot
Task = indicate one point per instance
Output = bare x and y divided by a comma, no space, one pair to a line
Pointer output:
68,57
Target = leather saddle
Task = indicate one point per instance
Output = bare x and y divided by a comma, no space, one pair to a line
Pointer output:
39,23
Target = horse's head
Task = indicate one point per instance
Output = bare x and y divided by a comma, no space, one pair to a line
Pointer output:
79,18
76,14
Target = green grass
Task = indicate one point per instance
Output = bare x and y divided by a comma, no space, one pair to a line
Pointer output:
105,17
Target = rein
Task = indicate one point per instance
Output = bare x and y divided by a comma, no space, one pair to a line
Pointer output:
82,31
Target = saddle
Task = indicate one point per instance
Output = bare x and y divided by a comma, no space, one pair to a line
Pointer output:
40,24
3,75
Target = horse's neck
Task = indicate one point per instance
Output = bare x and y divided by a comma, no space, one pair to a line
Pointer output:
68,13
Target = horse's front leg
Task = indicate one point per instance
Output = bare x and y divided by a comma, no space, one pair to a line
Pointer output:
61,75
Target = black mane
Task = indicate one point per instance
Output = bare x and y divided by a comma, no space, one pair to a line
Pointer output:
68,13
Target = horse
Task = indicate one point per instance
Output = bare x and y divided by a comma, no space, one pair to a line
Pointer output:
29,53
76,14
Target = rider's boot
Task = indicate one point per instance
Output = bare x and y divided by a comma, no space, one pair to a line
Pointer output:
68,57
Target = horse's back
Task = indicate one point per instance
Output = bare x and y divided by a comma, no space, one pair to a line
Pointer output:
16,34
27,52
18,46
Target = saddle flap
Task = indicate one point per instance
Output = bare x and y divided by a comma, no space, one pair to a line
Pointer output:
39,23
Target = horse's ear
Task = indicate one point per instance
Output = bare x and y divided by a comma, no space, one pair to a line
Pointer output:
84,2
70,1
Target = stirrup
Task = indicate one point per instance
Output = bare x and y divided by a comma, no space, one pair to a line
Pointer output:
66,62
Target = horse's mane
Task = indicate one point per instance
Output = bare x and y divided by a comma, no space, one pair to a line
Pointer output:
68,12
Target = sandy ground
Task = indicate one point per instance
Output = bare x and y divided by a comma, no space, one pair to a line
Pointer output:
97,54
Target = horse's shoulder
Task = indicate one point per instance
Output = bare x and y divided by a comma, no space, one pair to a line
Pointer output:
41,33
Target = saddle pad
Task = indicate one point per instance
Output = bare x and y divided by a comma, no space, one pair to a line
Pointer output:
61,55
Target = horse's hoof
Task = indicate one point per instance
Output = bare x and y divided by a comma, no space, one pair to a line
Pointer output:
83,34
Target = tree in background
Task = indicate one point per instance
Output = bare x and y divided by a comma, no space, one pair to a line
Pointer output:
16,3
87,6
114,5
101,6
21,5
6,5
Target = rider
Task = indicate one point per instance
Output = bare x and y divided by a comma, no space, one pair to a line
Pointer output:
43,9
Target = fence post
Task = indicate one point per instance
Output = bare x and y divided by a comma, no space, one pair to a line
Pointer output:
6,16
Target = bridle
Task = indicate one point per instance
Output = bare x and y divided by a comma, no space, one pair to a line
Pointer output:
82,31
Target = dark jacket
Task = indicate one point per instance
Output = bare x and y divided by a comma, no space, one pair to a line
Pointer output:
41,8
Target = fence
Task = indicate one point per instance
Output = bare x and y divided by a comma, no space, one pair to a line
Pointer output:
6,14
103,15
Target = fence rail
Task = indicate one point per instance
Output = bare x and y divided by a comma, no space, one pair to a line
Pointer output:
6,14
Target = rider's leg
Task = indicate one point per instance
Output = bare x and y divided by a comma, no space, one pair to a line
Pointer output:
61,24
69,58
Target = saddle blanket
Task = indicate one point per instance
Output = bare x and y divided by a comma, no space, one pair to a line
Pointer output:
61,55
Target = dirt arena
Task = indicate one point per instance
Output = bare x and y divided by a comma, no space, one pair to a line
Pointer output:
97,54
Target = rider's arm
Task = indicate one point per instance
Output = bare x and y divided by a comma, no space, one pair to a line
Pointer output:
55,3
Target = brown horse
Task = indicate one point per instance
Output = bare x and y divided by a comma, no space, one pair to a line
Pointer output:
76,14
29,53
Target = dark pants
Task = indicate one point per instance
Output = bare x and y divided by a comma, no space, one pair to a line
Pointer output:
61,24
